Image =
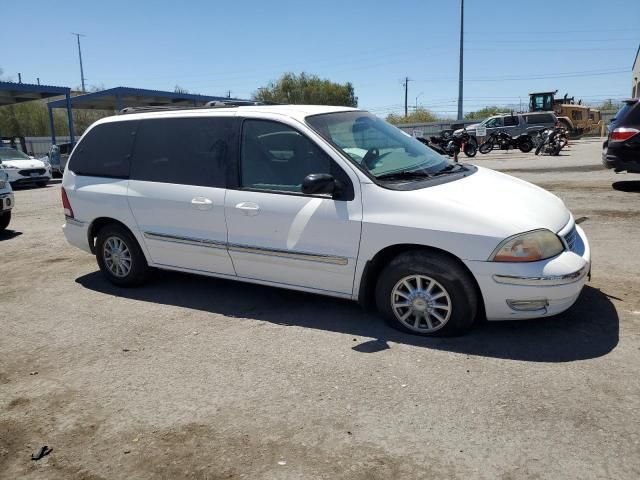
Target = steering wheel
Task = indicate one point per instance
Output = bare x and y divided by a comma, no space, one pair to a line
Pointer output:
370,157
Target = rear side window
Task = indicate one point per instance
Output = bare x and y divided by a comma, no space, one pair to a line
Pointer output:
622,114
105,151
187,151
540,119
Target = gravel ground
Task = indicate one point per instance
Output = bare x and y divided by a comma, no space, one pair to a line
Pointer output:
192,377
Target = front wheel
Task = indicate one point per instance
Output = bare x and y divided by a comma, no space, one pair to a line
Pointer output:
5,219
540,147
119,257
486,147
426,293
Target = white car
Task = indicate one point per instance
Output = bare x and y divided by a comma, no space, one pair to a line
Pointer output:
23,169
6,200
321,199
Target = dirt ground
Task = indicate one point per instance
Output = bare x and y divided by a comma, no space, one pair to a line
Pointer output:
191,377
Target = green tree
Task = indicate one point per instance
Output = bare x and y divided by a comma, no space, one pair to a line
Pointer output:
421,115
610,104
307,89
484,113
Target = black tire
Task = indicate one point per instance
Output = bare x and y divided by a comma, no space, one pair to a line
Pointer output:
470,149
540,147
42,183
5,219
449,277
138,271
525,146
486,147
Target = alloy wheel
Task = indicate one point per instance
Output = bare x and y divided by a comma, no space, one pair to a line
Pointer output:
117,256
421,304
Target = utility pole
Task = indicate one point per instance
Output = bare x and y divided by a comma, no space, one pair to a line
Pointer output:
418,96
78,35
460,75
406,96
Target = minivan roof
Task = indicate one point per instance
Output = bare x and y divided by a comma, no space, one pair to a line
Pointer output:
298,112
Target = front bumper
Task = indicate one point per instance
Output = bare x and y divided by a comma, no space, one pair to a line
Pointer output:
549,287
16,178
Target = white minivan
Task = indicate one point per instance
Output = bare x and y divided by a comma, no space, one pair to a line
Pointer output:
328,200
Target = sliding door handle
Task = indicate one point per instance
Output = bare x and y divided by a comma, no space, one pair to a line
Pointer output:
202,203
248,208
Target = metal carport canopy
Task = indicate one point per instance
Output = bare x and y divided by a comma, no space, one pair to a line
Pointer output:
12,93
120,97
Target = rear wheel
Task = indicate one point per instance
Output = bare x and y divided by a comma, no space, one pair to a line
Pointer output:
427,293
5,219
470,149
525,146
119,256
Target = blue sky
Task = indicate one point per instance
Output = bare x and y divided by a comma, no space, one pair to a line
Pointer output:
511,47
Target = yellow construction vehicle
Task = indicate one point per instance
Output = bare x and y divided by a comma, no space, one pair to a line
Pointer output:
578,119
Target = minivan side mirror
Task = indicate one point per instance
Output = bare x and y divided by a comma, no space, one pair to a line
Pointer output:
319,183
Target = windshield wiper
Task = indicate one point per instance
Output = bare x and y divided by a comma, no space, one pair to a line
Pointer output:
451,168
405,175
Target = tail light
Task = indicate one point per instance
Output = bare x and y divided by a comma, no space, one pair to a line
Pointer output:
623,133
68,211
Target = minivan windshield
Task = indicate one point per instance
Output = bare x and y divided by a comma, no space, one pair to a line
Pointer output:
376,146
12,154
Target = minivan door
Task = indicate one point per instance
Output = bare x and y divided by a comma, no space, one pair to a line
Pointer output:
277,233
177,188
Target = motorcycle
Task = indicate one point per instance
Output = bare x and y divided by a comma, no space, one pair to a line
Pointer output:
453,143
550,141
503,141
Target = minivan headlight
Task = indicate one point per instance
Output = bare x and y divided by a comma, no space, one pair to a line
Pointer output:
528,247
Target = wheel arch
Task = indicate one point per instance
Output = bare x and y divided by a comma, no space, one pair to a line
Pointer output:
373,267
101,222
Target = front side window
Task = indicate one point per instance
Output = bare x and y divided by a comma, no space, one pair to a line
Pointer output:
105,150
493,122
374,145
276,157
186,151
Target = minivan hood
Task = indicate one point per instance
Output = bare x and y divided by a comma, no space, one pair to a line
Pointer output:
506,203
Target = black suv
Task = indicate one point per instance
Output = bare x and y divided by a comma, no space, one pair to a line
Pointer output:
621,150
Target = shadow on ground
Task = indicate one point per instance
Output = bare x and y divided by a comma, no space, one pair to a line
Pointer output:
9,234
627,186
588,330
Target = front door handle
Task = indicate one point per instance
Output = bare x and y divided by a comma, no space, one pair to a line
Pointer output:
248,208
201,203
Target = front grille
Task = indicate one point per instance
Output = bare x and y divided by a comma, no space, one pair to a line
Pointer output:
570,238
30,171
